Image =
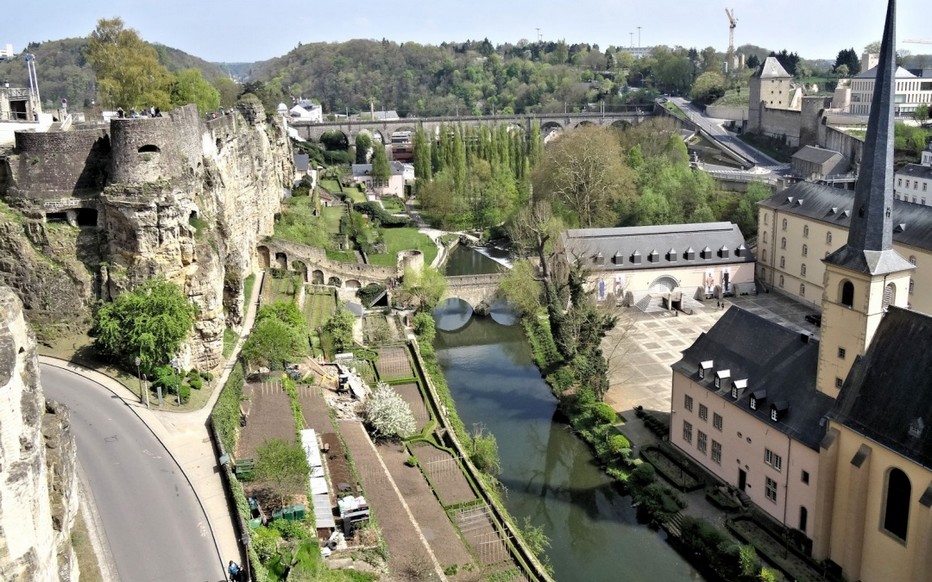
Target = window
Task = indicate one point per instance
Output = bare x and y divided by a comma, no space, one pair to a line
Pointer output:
774,415
781,281
896,509
805,477
766,218
783,243
907,183
805,250
688,402
773,459
687,432
803,518
841,353
701,442
912,285
717,421
899,181
839,383
704,412
828,237
912,259
847,293
782,262
770,489
716,452
806,231
802,290
784,224
802,269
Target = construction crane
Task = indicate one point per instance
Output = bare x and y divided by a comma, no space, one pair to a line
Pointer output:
732,24
917,42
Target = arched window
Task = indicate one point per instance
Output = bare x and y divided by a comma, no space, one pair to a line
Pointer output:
802,269
912,285
782,262
781,281
847,294
805,231
912,259
766,218
889,295
805,250
803,518
783,243
828,237
784,224
896,508
764,238
802,289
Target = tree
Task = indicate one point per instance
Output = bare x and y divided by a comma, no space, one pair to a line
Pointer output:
388,415
921,114
283,465
789,61
128,70
422,158
483,451
229,91
381,170
340,329
521,287
423,288
278,336
149,322
191,87
752,62
708,87
848,59
584,173
363,144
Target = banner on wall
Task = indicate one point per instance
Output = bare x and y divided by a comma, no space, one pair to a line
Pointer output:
620,283
709,283
726,281
601,289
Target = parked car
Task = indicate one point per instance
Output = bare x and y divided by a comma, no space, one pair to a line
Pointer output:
815,319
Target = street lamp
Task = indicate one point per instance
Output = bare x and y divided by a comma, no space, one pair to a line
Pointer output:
176,366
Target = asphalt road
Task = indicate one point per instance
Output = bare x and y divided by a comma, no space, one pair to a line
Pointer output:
155,528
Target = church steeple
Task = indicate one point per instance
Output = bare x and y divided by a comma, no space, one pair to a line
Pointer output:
866,275
870,236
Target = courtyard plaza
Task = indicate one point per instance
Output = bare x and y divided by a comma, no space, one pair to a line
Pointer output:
643,346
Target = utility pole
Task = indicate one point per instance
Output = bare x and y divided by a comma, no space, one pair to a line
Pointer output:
631,34
538,34
639,36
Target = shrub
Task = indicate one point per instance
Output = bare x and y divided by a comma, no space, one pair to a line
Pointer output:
425,327
185,392
618,444
265,542
562,380
604,414
642,476
388,415
195,382
411,461
290,530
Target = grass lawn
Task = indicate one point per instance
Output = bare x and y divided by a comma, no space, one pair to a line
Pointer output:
400,239
775,148
247,290
733,98
298,224
675,110
84,551
318,307
355,195
279,289
331,186
229,341
393,204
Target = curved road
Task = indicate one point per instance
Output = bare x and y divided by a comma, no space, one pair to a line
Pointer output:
155,528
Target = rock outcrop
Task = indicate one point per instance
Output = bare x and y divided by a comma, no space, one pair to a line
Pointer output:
38,479
176,197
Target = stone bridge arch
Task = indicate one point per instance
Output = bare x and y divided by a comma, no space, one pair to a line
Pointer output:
474,289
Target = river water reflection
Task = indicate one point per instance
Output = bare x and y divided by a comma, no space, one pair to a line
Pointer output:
550,474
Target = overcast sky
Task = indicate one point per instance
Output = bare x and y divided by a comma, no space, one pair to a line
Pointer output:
238,31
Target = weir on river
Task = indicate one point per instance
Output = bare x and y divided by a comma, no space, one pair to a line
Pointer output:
550,475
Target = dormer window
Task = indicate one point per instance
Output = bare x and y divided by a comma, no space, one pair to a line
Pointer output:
734,392
721,378
690,254
739,252
706,253
778,410
916,427
599,259
618,258
636,258
737,387
757,398
654,256
723,252
703,367
671,255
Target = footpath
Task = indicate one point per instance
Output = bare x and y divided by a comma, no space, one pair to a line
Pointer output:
186,438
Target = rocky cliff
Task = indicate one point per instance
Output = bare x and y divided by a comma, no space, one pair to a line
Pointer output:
38,480
176,196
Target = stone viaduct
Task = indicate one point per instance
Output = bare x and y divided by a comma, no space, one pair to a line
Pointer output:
631,115
473,289
314,266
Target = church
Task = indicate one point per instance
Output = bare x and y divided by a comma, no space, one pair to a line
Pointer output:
830,436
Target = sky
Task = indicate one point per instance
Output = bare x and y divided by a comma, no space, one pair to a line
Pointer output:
239,31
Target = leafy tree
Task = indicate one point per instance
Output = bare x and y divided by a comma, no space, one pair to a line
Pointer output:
381,170
283,465
228,90
521,287
128,70
422,288
708,87
922,113
483,451
422,157
425,327
388,415
191,87
850,60
149,322
363,144
274,342
789,61
340,328
584,173
287,312
752,62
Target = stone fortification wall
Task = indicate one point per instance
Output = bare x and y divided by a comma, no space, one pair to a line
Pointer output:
38,479
729,112
57,164
781,123
846,144
146,149
809,118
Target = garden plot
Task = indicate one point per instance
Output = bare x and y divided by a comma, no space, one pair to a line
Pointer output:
412,395
478,529
319,305
393,364
279,288
445,474
268,415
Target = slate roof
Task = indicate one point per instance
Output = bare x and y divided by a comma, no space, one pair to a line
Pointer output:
816,155
773,359
302,162
655,247
772,69
912,223
891,386
901,73
915,171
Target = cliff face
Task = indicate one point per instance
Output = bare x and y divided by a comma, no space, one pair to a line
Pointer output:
182,198
38,481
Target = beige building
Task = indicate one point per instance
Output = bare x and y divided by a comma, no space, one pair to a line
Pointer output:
863,391
801,225
911,92
633,265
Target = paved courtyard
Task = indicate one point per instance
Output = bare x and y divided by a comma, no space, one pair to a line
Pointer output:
643,346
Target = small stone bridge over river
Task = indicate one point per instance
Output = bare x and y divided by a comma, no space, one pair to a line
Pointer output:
473,289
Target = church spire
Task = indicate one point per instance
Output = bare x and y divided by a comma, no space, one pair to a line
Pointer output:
870,236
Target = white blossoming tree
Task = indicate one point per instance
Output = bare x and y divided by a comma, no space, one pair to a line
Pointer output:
388,415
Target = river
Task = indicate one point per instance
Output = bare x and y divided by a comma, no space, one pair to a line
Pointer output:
550,475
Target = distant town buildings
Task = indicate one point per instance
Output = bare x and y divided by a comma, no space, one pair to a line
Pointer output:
912,181
6,51
911,91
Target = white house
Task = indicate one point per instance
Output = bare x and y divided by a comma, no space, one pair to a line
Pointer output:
401,174
307,111
913,182
910,92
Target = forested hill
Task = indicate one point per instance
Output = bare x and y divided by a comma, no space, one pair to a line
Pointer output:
63,71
